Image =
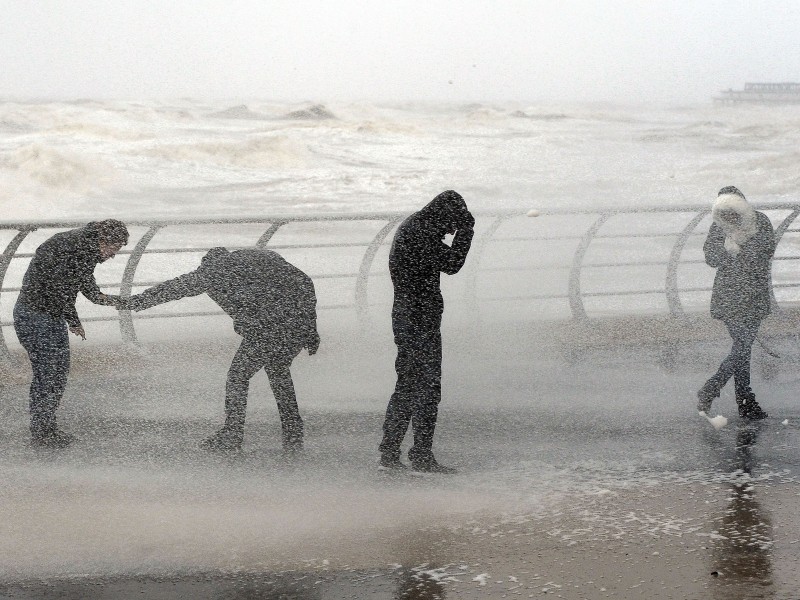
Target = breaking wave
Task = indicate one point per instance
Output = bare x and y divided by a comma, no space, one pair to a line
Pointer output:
49,167
257,152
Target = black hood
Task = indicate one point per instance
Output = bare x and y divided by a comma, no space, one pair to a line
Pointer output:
446,211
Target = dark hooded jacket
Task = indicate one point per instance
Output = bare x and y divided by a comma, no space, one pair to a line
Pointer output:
419,255
61,267
268,298
742,286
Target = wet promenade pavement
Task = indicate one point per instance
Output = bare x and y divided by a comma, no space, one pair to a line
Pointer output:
592,480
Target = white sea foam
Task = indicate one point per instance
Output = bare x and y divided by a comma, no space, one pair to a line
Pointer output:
383,156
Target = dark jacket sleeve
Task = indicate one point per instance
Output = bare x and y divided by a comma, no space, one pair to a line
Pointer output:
307,305
761,247
714,248
92,293
71,317
450,259
191,284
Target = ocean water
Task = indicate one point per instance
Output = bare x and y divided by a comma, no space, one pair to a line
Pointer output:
162,159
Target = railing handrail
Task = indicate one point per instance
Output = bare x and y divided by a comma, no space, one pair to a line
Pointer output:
369,216
387,221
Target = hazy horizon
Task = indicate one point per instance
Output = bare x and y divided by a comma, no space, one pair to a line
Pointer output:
453,52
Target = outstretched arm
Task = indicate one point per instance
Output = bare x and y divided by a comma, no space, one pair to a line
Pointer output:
191,284
92,293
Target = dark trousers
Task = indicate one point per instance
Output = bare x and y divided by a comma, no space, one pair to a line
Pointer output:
276,359
46,340
417,392
737,363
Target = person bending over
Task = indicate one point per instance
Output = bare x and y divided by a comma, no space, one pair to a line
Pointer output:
273,306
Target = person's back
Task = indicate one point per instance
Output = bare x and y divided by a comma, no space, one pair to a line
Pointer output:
263,293
266,296
273,307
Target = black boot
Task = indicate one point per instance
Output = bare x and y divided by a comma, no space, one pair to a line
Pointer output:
748,407
227,438
51,438
292,436
430,465
391,462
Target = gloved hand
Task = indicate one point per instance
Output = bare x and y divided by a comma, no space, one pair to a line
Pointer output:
731,246
312,343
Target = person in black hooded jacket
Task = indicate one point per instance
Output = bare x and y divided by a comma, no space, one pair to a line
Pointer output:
273,306
61,267
417,258
740,245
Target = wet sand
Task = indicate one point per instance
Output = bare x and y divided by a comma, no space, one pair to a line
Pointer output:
726,541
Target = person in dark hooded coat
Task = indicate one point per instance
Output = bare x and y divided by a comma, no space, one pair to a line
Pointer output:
740,245
273,306
417,258
61,267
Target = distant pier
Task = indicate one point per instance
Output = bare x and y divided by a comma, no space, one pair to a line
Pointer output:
761,93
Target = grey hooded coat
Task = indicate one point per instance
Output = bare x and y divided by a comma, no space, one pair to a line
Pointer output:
743,257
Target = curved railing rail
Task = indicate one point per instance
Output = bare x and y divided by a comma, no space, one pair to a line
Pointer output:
540,234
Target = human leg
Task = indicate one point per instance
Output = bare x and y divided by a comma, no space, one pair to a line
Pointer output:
745,398
46,340
428,394
246,363
280,380
714,385
401,403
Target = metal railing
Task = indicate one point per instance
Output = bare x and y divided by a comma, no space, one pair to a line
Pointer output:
486,237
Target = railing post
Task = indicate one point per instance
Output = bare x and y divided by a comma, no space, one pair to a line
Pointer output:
671,283
126,327
5,261
362,281
575,298
778,236
267,236
471,290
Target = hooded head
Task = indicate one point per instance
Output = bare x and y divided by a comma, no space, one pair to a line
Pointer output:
447,212
111,236
734,215
217,264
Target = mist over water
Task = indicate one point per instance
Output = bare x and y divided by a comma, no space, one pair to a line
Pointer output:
555,449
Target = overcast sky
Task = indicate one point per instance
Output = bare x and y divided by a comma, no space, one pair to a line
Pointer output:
560,50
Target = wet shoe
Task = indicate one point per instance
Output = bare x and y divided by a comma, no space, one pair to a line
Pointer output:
292,447
54,439
748,407
432,467
224,439
752,411
392,465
